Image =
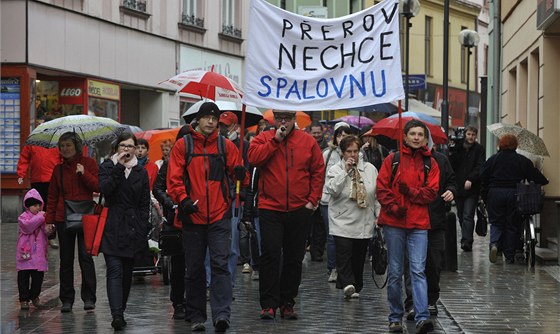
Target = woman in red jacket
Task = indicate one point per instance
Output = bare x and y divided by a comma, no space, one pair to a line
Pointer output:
76,178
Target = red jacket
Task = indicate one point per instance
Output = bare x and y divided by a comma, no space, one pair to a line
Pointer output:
411,172
208,192
291,173
152,170
39,160
76,187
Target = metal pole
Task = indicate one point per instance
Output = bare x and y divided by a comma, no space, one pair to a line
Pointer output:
468,81
444,103
407,60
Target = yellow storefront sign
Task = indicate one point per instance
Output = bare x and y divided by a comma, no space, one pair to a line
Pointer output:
104,90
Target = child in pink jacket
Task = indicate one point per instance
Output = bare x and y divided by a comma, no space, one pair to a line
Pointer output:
31,253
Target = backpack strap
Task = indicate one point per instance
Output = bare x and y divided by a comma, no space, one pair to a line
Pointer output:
331,149
395,165
427,161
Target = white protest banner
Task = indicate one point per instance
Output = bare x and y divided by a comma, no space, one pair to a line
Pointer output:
304,63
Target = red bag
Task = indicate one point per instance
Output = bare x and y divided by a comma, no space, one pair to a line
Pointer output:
93,231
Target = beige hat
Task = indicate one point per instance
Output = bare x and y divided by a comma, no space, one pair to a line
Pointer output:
339,124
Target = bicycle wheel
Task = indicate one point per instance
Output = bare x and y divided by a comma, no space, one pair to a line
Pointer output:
529,241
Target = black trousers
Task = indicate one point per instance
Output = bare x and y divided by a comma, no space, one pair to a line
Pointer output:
283,238
119,280
177,280
67,242
350,258
27,293
318,235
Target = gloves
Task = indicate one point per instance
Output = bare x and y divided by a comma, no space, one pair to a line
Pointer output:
239,172
403,188
188,206
398,211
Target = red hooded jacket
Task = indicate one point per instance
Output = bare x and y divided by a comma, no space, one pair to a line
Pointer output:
411,172
40,161
204,188
291,173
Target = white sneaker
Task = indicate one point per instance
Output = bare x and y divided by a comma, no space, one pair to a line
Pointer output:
349,290
333,276
246,268
355,295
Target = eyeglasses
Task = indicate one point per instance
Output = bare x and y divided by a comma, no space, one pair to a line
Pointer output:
285,118
130,147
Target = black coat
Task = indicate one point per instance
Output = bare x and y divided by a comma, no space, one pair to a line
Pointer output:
128,200
438,208
160,193
466,164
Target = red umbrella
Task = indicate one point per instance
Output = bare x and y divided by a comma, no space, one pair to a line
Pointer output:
389,127
204,84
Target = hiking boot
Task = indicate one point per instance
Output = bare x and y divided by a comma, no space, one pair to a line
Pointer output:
24,305
333,276
466,247
410,315
89,305
433,310
37,302
246,268
118,322
255,275
493,253
395,327
221,325
424,326
53,243
66,307
179,312
349,291
198,327
268,313
287,312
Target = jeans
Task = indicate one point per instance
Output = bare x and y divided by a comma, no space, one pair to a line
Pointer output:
331,246
232,264
466,207
284,235
119,280
197,239
350,259
67,242
415,243
25,292
504,220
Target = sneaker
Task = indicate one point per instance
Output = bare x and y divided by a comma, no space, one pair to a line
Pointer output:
333,276
268,313
355,295
89,305
246,268
424,326
287,312
349,291
37,302
395,327
493,253
24,305
198,327
255,275
433,310
221,325
410,315
179,312
66,307
53,243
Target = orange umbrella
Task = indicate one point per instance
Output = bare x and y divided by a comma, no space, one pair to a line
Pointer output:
303,120
155,138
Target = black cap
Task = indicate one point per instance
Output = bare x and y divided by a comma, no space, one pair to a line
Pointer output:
208,108
32,201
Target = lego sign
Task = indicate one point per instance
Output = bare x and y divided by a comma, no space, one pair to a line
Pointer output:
70,92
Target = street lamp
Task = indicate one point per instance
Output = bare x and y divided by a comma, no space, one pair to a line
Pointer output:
468,39
408,9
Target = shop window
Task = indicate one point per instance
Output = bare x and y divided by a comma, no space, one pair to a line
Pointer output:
103,108
52,101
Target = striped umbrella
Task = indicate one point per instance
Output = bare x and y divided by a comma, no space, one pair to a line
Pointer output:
90,129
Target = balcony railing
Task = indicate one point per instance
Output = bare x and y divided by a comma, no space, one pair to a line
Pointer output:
192,20
231,31
135,5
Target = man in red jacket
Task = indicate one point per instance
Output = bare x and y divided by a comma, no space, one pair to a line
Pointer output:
292,172
197,180
404,195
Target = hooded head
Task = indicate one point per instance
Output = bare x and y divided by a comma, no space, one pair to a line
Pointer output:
32,197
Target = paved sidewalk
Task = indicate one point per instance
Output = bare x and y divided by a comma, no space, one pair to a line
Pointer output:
479,298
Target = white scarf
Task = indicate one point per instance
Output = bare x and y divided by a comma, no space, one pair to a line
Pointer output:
127,165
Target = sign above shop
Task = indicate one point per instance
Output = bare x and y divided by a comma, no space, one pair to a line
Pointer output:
103,90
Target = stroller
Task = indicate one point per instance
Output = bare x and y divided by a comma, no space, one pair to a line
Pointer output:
147,260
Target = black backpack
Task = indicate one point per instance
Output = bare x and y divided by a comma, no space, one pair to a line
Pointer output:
395,166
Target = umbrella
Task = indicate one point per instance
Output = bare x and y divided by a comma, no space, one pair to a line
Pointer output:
132,128
418,115
252,114
387,108
90,129
528,141
352,120
204,84
389,127
155,138
302,119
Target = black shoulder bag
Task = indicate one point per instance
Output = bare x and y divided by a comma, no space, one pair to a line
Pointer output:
378,257
74,210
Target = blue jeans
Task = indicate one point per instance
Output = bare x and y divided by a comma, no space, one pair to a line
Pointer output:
504,220
415,243
119,280
466,207
331,246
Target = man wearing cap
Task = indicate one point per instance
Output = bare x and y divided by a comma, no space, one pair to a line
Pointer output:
197,180
292,173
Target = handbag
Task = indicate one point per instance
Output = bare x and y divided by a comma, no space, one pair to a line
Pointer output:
170,240
74,210
93,226
481,227
530,198
378,257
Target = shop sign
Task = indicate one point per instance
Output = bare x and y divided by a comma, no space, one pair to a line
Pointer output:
70,92
103,90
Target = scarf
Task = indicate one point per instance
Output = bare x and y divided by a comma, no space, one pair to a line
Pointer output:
143,161
358,190
127,165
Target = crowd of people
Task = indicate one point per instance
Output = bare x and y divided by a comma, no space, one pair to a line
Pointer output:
289,190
